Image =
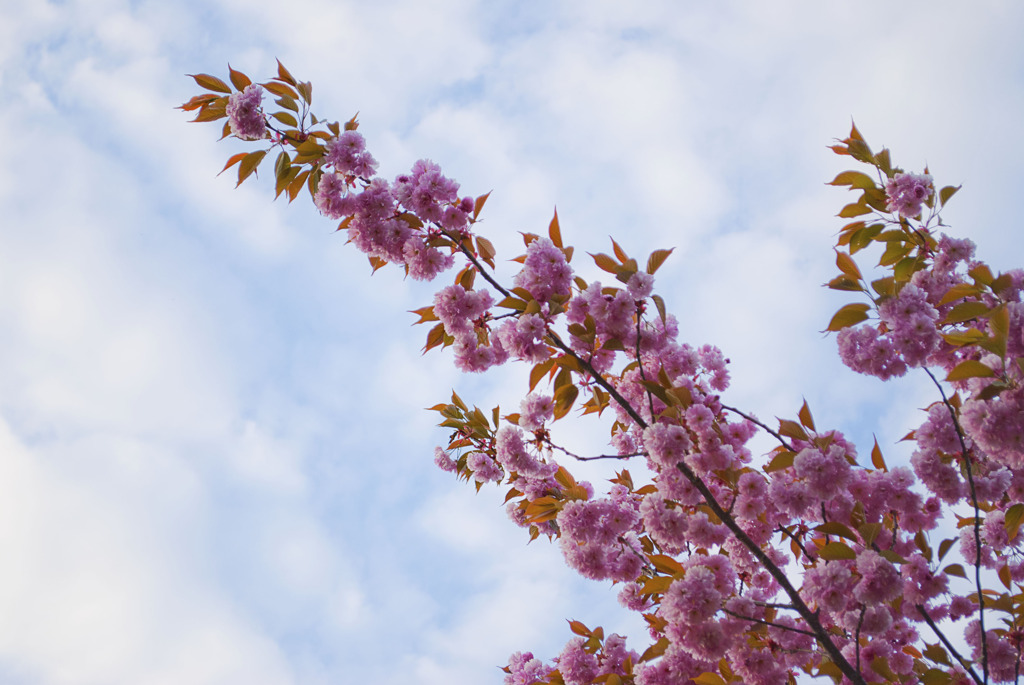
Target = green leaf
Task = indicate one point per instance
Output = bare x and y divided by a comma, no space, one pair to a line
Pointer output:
937,654
970,369
955,570
854,179
847,265
869,532
834,551
285,118
894,252
288,103
849,315
781,460
884,286
836,528
792,429
854,209
965,311
946,193
960,291
709,678
1014,518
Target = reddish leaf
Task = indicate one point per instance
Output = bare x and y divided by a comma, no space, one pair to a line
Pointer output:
238,79
211,83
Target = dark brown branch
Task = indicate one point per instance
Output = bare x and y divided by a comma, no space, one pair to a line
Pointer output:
952,650
819,632
556,341
977,520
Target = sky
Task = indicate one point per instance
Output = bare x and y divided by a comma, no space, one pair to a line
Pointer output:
215,465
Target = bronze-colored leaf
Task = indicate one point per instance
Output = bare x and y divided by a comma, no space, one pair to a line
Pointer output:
554,232
239,80
848,315
211,83
248,165
656,259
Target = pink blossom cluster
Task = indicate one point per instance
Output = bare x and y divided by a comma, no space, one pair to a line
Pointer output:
907,337
609,313
245,115
348,155
545,273
598,538
579,666
535,410
1004,657
511,452
523,338
397,222
905,193
525,669
433,197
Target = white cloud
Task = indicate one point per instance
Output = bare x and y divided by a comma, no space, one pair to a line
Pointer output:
215,464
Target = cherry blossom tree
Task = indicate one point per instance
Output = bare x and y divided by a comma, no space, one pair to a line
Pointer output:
747,568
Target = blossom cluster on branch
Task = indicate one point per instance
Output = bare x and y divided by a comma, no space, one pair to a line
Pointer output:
746,568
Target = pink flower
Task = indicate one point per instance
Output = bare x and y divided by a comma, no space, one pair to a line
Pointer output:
545,273
245,116
443,461
880,581
907,192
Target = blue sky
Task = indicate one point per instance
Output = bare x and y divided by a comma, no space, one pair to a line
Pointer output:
214,462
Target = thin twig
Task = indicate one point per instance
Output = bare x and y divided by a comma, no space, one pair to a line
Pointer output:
977,521
600,456
640,364
758,423
769,623
952,650
794,539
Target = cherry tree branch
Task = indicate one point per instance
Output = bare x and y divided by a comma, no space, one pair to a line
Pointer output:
977,520
949,646
761,425
769,623
819,632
